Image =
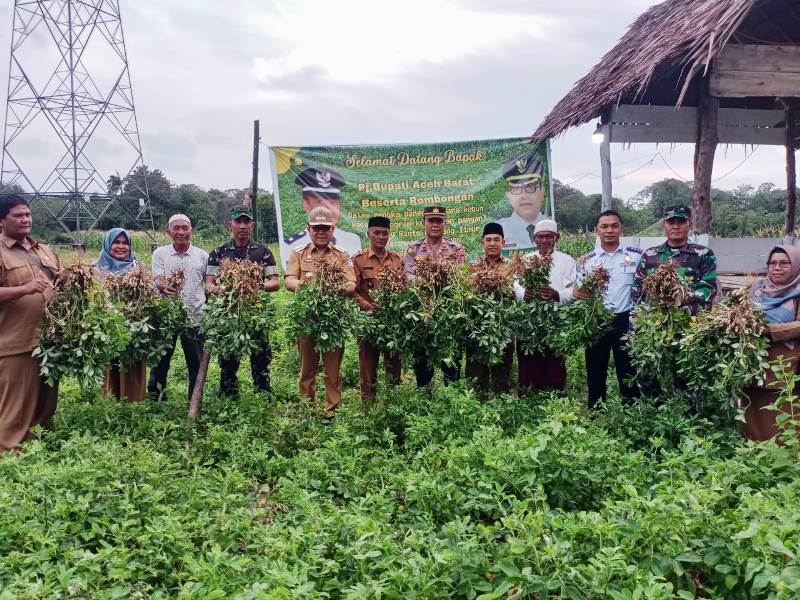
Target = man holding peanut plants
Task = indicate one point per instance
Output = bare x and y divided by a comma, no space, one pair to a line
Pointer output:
302,268
187,263
241,247
696,264
434,221
621,263
368,265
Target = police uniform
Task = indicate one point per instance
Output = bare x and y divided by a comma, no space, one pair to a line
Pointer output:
367,266
521,171
325,183
449,248
621,265
696,264
495,377
303,265
260,359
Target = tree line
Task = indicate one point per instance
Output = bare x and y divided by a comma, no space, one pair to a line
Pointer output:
745,211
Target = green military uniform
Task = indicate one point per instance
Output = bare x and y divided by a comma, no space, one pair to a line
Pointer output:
696,264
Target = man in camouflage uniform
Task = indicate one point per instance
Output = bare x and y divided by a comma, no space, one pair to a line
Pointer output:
696,264
434,242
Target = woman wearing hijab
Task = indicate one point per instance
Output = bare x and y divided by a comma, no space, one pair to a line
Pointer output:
778,294
118,257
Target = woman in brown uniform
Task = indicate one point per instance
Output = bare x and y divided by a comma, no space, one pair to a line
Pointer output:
27,269
778,294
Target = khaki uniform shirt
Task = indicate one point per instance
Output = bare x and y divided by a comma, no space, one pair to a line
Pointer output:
368,266
20,319
302,262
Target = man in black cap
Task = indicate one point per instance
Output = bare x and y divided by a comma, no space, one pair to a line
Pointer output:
524,175
368,264
434,242
492,377
321,186
241,247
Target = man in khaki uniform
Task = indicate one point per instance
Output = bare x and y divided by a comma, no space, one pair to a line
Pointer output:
492,377
27,270
368,265
302,268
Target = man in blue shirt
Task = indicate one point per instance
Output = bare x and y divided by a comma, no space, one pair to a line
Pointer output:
621,263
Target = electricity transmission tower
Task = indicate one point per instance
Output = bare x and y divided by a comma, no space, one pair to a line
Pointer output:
70,115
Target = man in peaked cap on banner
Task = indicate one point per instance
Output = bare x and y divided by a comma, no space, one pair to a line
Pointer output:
321,186
524,177
434,242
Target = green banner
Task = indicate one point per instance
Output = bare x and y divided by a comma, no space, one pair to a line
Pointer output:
505,180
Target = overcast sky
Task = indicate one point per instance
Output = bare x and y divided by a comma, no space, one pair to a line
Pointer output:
362,71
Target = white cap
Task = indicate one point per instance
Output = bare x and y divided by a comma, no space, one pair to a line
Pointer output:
178,217
545,225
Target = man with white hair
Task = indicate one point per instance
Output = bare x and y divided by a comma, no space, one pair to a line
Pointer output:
180,255
545,369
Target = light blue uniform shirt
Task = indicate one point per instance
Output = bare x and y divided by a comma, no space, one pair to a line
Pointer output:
621,265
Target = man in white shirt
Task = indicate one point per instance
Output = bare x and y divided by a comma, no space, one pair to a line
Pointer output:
181,255
524,177
545,369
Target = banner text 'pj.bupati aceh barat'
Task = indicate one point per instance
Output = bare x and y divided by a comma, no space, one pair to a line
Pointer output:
505,180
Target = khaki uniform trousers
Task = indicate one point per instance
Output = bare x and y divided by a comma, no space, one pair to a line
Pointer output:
368,357
332,373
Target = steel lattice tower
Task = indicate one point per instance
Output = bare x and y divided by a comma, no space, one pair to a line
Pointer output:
70,104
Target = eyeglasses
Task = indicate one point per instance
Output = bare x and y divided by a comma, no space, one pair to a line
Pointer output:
321,227
783,264
516,190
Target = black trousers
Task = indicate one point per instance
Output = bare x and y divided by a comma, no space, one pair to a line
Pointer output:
597,357
423,372
259,369
192,344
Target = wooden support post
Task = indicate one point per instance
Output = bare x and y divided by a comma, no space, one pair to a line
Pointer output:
791,179
704,149
254,181
605,167
196,402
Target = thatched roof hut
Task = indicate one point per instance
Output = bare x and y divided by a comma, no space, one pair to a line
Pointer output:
733,66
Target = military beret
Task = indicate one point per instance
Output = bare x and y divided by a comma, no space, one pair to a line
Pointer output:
241,211
434,211
378,222
493,228
321,181
523,169
677,212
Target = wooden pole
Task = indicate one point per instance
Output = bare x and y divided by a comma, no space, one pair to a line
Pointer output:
254,182
704,149
196,402
791,179
605,167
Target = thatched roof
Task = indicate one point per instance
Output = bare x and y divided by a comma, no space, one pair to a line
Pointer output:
658,60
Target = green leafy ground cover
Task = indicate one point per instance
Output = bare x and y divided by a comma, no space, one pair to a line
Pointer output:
411,497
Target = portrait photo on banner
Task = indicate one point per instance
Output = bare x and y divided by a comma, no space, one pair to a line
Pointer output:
502,180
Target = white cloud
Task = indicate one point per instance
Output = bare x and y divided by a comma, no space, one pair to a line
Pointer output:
373,42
